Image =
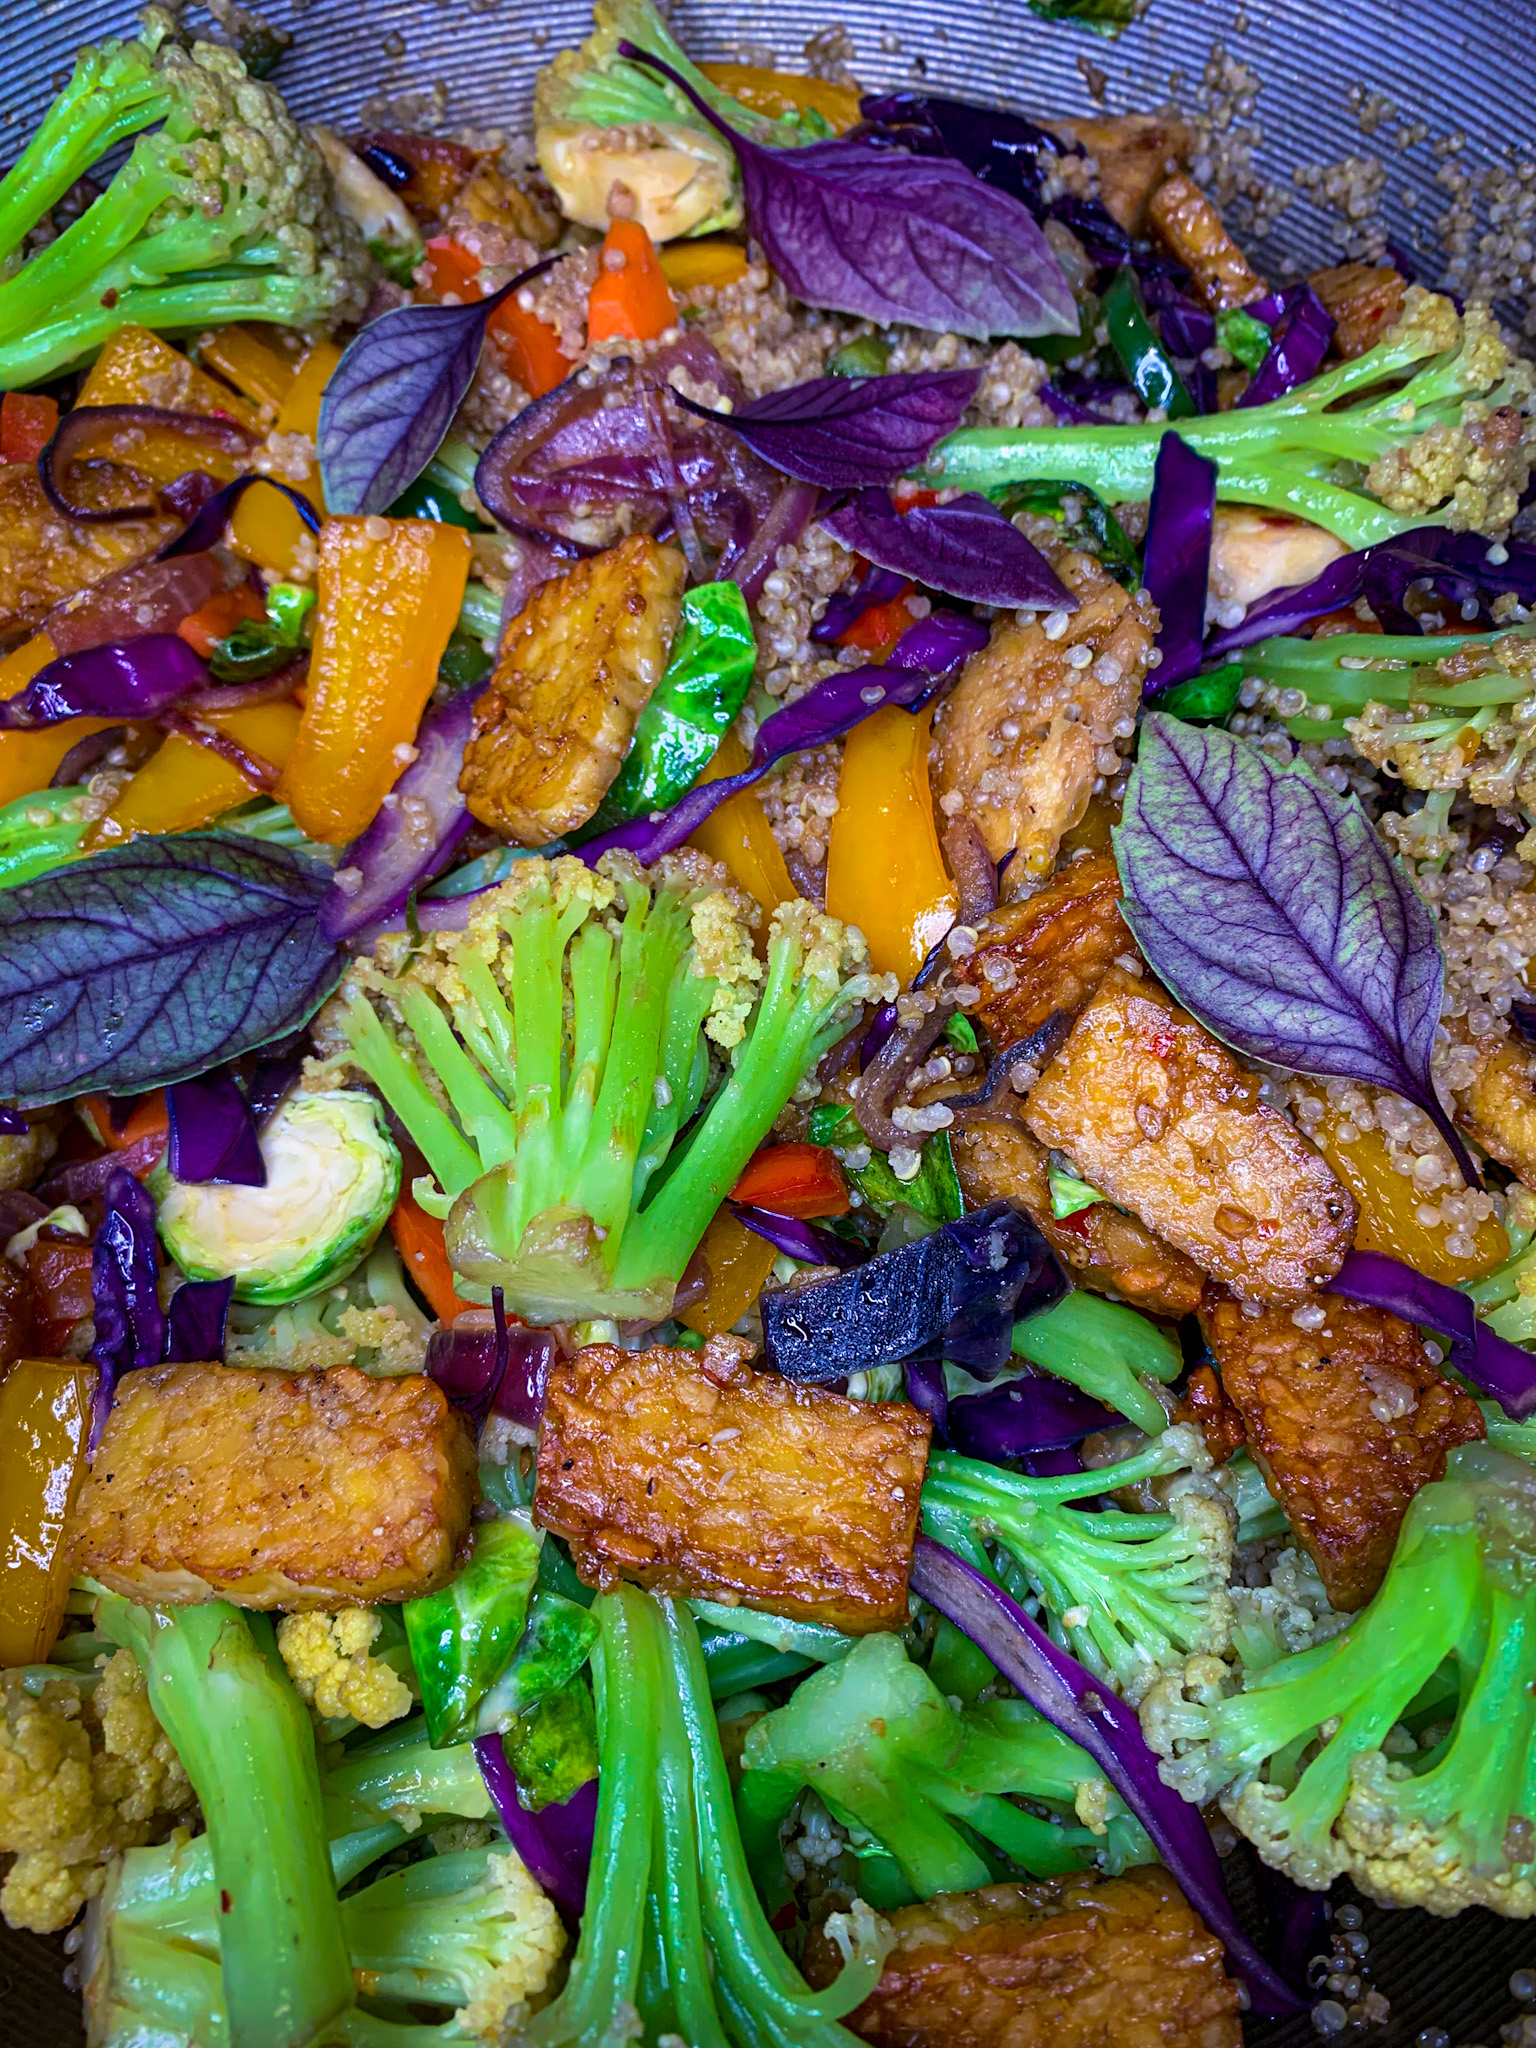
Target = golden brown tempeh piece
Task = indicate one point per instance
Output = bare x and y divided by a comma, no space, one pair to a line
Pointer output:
696,1476
1191,229
1070,1962
277,1489
1347,1421
1043,958
1161,1117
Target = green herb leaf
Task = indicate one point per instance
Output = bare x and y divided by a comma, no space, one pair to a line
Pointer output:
1205,700
1069,1194
1243,336
153,962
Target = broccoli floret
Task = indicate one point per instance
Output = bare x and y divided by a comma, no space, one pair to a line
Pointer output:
223,213
1366,450
1130,1595
84,1770
1315,1759
673,1938
897,1762
546,1058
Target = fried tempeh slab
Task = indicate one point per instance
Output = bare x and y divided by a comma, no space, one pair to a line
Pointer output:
1347,1421
1110,1250
1159,1115
696,1476
277,1489
1074,1962
1040,960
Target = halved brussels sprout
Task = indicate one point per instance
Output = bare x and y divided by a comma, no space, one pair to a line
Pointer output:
333,1176
683,179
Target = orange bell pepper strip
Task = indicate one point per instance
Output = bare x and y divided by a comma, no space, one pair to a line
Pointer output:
631,298
530,348
251,361
389,597
739,836
148,1118
29,760
1389,1209
45,1419
27,421
214,621
739,1261
137,368
709,261
265,528
452,271
184,784
777,93
885,872
794,1180
419,1241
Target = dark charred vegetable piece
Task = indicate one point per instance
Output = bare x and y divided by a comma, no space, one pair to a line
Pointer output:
196,948
956,1293
1180,524
890,237
1270,908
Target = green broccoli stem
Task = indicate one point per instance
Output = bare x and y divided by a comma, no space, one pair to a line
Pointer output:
1344,673
112,94
605,1970
1106,1349
219,1690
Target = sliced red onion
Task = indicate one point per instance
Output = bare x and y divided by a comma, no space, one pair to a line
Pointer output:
82,431
147,597
796,1238
81,1179
213,1135
556,1842
483,1367
413,837
750,563
257,770
1071,1699
80,762
847,606
1505,1371
196,1321
1303,328
133,679
207,527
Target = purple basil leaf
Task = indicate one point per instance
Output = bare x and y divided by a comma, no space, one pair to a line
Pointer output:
888,237
419,825
388,402
1071,1699
1001,149
847,606
956,1292
1271,909
966,549
842,433
125,1299
209,521
153,962
1180,523
195,1322
555,1842
928,653
1296,354
1457,564
213,1135
796,1238
1026,1417
127,679
1504,1370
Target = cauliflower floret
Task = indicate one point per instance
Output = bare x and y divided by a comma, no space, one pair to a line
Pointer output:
535,1943
1290,1612
84,1771
328,1661
1263,1813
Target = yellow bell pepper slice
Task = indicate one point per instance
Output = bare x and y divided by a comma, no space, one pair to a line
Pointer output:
885,872
1389,1206
185,785
739,1261
265,528
388,598
777,93
138,368
712,261
45,1418
29,760
252,362
739,836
